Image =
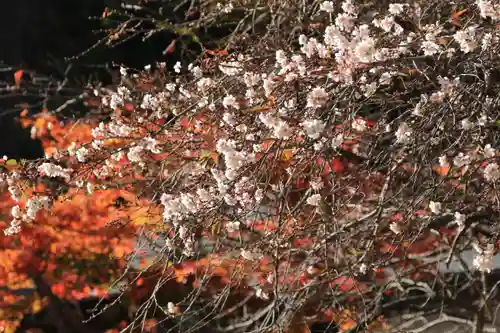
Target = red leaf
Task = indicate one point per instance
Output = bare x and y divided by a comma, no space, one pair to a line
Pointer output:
129,107
346,283
302,183
336,165
397,217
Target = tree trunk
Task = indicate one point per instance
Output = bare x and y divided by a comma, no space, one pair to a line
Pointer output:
61,314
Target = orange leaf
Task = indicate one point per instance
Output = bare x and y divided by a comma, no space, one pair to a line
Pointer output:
455,17
456,14
17,77
184,271
442,170
216,52
272,100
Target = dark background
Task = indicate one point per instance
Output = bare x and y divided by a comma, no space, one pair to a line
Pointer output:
39,36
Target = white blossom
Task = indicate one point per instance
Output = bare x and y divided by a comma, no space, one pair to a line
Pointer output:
119,129
489,8
317,184
395,228
99,131
261,294
396,8
12,230
365,50
34,205
250,255
313,128
403,133
349,7
443,161
233,226
135,154
435,207
81,154
483,261
16,212
53,170
171,308
385,24
281,58
327,6
229,118
486,41
430,48
317,98
467,124
337,141
314,200
230,68
230,101
467,39
460,219
492,172
461,160
302,39
488,151
177,67
359,125
345,22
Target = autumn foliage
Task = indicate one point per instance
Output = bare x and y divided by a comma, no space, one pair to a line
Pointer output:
68,246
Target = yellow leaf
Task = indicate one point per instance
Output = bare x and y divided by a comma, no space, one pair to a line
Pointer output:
145,216
11,162
10,165
208,158
38,304
287,154
215,227
119,251
354,251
